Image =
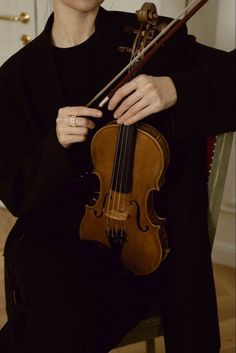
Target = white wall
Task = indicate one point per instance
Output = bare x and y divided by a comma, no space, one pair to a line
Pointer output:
213,25
164,7
224,245
43,9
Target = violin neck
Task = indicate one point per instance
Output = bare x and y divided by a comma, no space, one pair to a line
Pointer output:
124,156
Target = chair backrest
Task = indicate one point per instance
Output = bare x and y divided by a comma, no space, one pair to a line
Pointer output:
217,177
219,153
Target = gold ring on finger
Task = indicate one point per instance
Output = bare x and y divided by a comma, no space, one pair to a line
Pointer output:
72,122
77,118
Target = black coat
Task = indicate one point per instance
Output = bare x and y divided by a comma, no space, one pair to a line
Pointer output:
39,179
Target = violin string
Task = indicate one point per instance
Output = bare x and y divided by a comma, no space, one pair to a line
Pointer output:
138,48
121,161
124,142
109,219
114,181
120,174
125,131
119,197
121,203
122,195
115,193
122,181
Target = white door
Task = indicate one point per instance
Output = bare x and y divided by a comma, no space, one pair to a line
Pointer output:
43,9
17,26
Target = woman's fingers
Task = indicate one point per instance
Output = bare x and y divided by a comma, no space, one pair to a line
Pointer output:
73,124
79,111
142,96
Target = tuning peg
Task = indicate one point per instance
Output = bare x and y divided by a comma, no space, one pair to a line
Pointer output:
130,29
161,26
124,49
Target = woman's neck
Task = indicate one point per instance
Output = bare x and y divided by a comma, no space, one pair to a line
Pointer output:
72,27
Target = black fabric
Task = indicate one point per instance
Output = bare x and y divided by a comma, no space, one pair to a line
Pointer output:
47,186
76,63
211,91
70,295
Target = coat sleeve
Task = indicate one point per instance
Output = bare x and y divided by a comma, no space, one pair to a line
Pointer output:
206,98
32,167
205,79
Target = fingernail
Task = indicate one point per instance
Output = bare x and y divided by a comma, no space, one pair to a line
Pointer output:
99,113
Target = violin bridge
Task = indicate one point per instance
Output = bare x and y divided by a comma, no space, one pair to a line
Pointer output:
118,215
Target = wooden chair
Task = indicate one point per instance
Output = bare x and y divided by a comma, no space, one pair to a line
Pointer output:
150,328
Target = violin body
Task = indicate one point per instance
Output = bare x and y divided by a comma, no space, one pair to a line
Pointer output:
123,218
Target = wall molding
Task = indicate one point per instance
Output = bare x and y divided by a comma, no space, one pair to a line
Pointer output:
224,253
229,207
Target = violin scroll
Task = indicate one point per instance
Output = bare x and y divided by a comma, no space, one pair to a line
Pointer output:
147,13
147,16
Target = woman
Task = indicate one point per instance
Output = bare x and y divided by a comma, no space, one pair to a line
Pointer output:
67,295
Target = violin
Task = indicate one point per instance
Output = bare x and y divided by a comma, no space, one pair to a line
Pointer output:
123,219
130,171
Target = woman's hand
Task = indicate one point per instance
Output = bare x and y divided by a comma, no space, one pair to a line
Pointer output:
73,124
141,97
